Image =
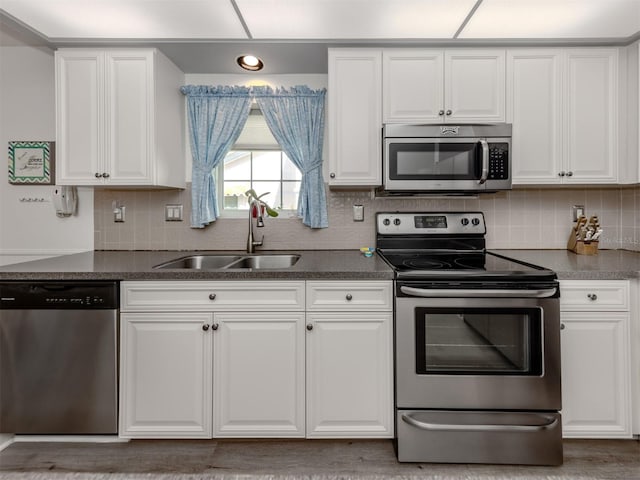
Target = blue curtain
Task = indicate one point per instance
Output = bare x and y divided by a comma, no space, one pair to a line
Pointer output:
216,117
296,120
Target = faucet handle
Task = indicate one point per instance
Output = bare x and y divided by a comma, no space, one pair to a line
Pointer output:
258,243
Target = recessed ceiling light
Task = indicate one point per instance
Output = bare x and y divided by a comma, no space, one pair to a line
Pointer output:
250,62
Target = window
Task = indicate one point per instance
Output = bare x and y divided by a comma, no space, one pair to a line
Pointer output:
257,161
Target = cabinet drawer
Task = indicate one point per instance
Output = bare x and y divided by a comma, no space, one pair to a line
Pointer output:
375,295
589,295
211,296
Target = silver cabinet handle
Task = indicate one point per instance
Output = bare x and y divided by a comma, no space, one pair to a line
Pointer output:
309,326
562,326
105,175
592,296
212,296
561,174
569,174
205,327
349,297
98,175
449,112
485,162
441,112
214,326
480,293
332,175
478,428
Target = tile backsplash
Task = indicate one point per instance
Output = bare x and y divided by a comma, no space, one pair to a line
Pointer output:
520,218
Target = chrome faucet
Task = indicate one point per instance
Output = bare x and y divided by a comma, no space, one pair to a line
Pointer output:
251,243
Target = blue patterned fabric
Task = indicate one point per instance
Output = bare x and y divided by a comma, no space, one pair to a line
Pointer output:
216,117
296,120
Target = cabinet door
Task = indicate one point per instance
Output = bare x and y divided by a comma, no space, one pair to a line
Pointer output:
79,117
165,375
534,108
412,85
130,114
349,375
591,115
474,86
355,117
259,375
595,375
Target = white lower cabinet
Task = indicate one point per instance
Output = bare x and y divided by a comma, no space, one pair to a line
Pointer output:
258,371
596,379
165,381
349,359
230,359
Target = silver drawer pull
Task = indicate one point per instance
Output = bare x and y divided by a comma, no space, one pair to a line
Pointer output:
592,296
212,296
349,297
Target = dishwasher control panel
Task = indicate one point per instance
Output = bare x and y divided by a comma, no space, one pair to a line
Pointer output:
59,294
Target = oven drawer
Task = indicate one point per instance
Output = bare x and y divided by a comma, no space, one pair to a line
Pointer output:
361,295
499,437
590,295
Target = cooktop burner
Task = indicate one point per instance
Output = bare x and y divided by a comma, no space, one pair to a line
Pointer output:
443,246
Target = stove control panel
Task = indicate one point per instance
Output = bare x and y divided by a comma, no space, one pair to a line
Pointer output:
431,223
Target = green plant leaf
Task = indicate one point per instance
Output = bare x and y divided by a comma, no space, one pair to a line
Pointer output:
270,211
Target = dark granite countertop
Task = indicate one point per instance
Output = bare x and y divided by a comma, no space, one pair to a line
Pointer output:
138,265
313,264
606,265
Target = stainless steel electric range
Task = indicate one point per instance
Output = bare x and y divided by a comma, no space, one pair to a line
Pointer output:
477,345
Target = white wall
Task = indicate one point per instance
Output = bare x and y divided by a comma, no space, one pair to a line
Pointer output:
27,112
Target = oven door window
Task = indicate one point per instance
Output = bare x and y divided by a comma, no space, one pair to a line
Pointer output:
434,161
490,341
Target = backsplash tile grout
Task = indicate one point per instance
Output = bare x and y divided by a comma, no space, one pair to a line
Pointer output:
517,219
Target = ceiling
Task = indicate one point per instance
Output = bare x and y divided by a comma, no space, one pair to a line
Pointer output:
292,36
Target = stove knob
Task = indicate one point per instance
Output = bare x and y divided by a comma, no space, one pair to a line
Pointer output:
396,221
386,222
475,222
465,221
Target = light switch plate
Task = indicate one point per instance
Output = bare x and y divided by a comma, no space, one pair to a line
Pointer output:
118,214
358,213
576,212
173,213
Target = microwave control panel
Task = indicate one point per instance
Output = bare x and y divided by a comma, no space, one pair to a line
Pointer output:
498,161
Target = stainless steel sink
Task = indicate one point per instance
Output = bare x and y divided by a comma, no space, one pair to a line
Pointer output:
200,262
265,261
218,262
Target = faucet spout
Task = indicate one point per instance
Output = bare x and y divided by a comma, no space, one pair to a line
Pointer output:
251,242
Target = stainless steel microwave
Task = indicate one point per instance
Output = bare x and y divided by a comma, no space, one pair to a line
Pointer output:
446,159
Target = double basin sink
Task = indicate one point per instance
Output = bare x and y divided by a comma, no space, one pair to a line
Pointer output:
229,262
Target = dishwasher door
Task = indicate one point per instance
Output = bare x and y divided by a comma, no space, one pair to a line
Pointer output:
58,371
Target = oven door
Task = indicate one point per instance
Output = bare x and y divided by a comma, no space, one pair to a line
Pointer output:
470,352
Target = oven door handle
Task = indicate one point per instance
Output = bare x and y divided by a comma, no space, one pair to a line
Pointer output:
485,161
478,293
478,427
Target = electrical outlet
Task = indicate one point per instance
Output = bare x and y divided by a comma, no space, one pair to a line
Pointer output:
173,213
576,212
118,214
358,213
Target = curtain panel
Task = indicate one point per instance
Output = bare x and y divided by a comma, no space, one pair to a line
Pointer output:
296,120
216,117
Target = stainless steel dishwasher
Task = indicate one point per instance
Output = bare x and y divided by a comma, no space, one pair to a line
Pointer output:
59,357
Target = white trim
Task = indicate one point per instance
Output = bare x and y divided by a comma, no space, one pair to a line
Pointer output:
6,440
70,438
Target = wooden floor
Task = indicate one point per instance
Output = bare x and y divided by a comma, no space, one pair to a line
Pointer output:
277,459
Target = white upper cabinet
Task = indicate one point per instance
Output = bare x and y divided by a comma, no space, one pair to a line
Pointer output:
563,105
119,118
591,92
450,86
534,108
355,117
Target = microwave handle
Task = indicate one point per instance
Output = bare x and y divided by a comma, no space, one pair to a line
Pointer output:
485,162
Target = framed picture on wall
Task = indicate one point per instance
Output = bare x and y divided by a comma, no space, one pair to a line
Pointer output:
31,163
